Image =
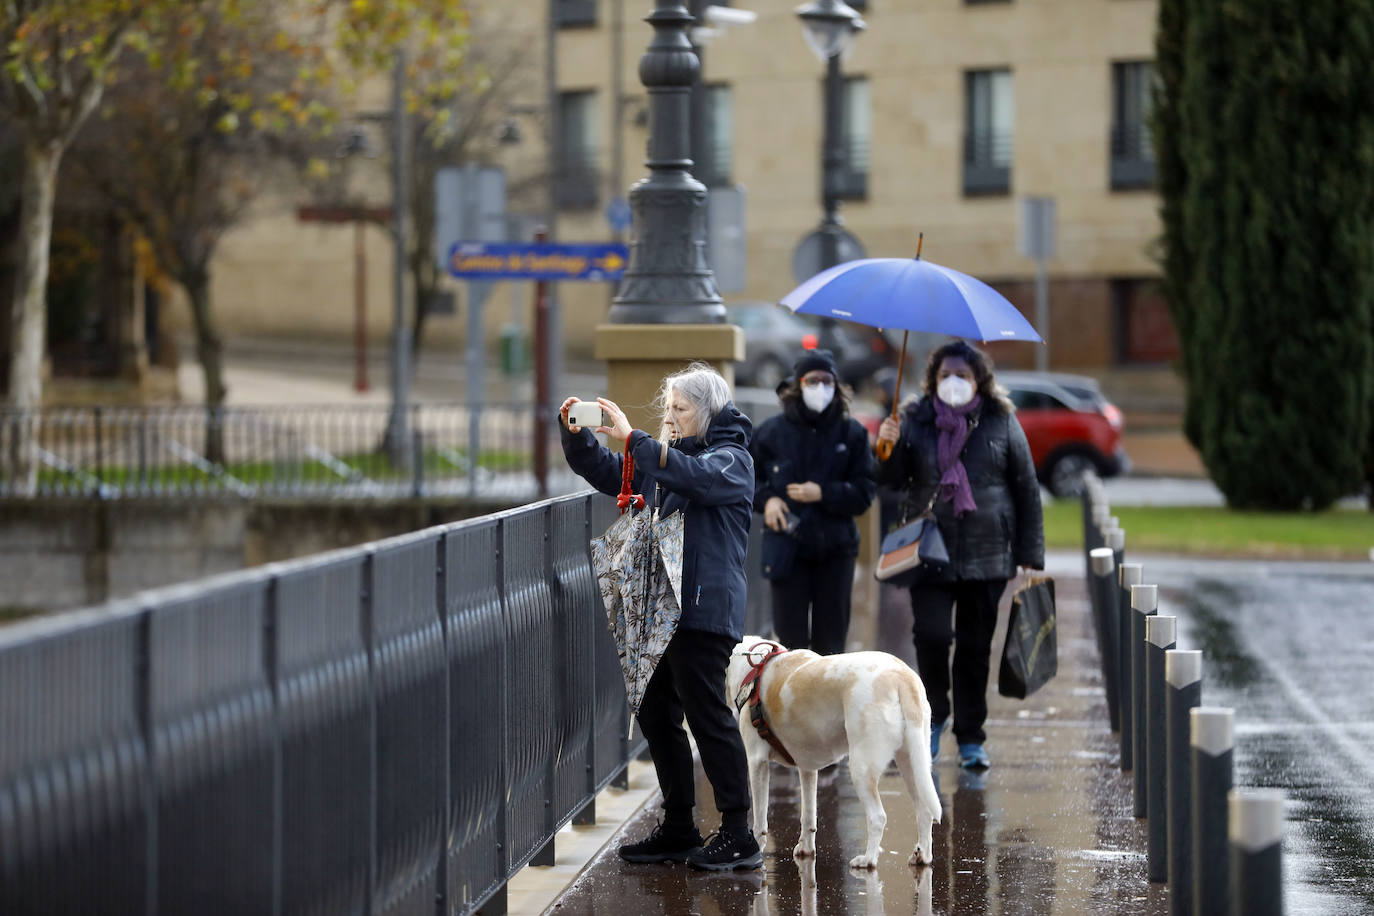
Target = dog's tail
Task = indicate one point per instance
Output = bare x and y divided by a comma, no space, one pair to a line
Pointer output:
916,713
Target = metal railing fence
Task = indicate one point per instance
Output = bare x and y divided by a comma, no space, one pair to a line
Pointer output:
246,452
394,728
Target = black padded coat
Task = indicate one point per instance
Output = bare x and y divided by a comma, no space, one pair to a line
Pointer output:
1007,529
831,449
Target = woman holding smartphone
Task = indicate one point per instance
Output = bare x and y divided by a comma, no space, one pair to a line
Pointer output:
708,475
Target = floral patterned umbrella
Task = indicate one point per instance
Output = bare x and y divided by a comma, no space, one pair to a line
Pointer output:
638,563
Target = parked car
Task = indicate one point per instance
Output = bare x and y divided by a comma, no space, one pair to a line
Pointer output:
1070,425
774,337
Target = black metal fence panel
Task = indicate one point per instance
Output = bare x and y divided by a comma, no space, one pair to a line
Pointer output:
529,686
411,677
478,858
574,697
213,733
611,726
325,704
75,796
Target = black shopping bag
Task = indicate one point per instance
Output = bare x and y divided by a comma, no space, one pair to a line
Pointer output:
1030,655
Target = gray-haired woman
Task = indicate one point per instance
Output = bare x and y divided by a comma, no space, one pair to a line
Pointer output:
709,477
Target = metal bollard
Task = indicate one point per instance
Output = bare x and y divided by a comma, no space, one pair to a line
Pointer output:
1213,742
1117,542
1182,693
1159,638
1144,604
1129,574
1102,590
1255,828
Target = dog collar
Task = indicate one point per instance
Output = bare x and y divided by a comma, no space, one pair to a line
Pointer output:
756,713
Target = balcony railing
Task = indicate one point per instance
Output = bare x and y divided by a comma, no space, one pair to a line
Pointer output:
987,162
1132,157
574,13
852,179
579,182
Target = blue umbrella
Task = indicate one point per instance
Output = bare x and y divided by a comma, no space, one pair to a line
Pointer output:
913,295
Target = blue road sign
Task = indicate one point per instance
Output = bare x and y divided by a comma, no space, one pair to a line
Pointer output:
537,261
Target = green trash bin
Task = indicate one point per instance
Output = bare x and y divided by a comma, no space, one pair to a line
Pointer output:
515,350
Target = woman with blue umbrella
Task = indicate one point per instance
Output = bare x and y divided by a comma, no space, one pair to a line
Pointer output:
960,449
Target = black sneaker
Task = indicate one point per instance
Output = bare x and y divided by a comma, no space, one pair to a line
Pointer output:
665,844
725,851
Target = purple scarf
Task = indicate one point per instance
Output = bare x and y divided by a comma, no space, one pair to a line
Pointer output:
954,431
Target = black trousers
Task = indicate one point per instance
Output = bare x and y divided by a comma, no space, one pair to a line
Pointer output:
974,606
690,681
811,606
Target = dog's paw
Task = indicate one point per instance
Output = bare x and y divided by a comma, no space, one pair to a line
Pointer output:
802,851
864,862
919,857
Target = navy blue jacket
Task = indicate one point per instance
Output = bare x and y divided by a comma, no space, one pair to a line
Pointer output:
830,449
710,479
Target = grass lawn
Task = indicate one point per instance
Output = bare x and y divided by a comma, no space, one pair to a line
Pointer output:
1346,534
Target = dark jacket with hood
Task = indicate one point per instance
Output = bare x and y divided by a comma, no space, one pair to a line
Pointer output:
709,478
829,448
1007,528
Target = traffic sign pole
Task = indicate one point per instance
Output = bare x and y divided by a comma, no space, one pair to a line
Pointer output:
542,412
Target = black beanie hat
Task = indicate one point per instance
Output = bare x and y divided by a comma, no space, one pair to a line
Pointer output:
812,360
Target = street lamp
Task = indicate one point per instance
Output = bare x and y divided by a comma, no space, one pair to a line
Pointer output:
830,27
668,279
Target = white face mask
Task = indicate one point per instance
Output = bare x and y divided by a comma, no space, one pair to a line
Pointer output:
955,391
818,397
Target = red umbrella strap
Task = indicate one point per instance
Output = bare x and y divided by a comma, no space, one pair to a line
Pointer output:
626,499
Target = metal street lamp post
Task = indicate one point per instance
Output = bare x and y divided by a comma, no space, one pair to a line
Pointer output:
668,279
830,27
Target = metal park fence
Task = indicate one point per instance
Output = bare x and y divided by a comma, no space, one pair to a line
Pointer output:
394,728
246,452
1217,846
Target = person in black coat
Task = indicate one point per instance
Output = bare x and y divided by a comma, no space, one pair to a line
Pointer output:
960,449
708,475
813,474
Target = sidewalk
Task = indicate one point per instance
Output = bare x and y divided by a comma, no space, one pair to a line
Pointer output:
1049,830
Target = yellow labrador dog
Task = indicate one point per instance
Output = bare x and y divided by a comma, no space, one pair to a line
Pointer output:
868,705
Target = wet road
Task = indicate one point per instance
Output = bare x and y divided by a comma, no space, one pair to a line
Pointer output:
1289,647
1049,830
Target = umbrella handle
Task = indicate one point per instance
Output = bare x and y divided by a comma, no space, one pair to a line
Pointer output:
884,448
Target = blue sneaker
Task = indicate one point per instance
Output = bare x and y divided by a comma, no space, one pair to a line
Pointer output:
973,757
936,730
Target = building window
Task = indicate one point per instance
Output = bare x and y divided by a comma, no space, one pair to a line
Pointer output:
574,13
578,179
718,143
1145,332
856,133
1133,156
987,140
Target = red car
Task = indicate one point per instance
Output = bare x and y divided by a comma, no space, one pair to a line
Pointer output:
1070,425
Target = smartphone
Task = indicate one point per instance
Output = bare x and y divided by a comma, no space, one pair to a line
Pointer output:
586,413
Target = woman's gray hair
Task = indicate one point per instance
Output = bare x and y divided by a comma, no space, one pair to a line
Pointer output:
702,387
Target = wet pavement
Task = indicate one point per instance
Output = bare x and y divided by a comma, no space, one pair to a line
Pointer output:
1049,829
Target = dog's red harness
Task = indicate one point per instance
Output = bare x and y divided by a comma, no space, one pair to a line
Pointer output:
756,716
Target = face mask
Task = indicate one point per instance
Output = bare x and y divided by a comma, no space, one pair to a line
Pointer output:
954,391
818,397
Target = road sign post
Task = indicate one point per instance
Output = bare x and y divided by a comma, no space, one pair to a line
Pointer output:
1038,241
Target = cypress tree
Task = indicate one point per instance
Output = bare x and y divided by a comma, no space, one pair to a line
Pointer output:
1269,240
